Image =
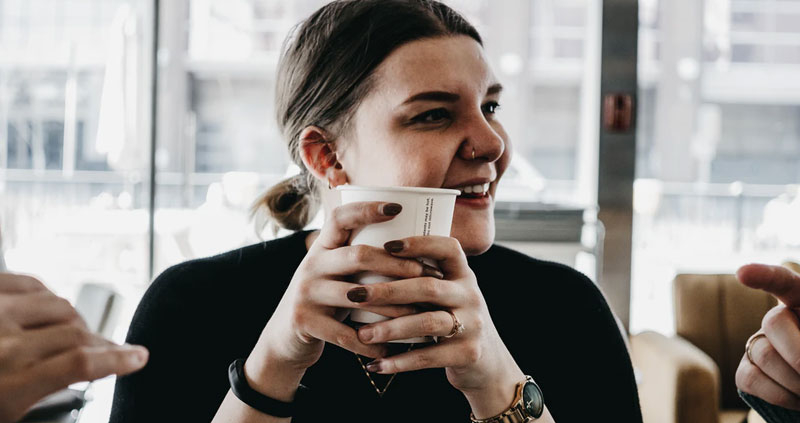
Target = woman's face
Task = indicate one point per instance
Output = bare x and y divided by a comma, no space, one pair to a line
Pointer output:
433,101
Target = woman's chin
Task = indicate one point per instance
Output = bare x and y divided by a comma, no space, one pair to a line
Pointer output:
474,241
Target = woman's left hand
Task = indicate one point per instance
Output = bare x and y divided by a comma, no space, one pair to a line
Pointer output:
475,359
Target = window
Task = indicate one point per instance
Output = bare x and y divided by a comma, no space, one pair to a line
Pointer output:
718,162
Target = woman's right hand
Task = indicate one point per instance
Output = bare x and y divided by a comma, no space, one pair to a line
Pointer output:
315,303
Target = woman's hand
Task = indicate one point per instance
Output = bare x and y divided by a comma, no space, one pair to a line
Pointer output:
45,346
774,374
315,303
475,360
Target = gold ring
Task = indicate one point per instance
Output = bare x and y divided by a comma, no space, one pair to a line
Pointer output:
458,328
749,346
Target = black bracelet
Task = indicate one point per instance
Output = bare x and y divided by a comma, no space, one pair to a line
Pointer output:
257,400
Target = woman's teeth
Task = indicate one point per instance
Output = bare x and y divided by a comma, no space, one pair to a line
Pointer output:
475,189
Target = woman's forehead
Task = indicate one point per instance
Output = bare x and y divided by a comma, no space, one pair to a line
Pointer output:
454,64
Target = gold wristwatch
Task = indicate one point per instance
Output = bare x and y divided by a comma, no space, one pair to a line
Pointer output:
528,405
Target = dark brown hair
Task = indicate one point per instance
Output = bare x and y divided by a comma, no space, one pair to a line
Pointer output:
325,72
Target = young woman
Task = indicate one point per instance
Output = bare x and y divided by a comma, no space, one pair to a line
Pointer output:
387,93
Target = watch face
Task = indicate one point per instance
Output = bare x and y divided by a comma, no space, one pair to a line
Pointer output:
533,400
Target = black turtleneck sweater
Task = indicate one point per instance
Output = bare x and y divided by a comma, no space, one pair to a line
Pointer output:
198,316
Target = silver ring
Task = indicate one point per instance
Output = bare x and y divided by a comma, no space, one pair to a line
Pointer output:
458,328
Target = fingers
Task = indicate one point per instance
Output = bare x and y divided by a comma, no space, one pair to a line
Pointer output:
335,294
431,323
337,333
752,380
783,331
777,280
360,258
14,283
38,344
446,251
409,291
40,308
774,366
84,364
343,219
435,356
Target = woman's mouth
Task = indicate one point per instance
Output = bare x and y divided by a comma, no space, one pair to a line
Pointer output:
474,191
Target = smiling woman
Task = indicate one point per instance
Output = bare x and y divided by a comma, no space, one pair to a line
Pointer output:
383,93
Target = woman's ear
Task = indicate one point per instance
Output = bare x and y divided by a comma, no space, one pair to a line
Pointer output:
317,153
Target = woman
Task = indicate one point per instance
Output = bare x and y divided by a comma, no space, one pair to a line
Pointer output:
388,93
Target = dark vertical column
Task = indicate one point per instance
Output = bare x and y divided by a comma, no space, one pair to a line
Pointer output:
617,153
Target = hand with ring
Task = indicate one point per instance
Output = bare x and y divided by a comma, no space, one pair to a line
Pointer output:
469,347
770,366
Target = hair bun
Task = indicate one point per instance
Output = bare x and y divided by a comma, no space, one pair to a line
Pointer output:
289,204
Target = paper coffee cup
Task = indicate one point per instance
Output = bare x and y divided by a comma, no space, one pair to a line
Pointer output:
426,211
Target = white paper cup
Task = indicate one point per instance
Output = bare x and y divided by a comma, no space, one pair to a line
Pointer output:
426,211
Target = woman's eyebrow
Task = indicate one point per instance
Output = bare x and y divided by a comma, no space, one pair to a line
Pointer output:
494,89
447,97
443,96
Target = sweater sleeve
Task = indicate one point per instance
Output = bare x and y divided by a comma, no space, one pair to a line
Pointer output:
771,413
174,385
585,359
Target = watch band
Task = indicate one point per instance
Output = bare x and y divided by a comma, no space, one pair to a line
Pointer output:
515,413
257,400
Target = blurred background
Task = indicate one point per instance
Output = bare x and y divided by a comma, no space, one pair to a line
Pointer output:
713,183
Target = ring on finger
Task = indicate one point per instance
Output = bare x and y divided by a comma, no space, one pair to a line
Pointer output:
748,348
458,328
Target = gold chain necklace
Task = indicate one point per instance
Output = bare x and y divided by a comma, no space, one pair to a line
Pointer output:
371,381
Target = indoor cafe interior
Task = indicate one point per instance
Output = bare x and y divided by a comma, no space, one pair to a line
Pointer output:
656,155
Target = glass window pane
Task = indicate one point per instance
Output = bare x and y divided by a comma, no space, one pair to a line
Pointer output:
718,160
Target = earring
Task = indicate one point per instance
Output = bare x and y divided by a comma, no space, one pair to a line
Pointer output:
473,153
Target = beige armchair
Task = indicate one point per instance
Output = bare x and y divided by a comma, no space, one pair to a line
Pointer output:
690,377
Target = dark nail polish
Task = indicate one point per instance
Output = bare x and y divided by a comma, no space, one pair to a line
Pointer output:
394,246
392,209
432,271
357,295
338,166
374,367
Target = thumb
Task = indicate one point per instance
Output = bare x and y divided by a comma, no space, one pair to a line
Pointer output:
779,281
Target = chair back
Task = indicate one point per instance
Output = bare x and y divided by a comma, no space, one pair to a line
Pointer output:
717,314
99,305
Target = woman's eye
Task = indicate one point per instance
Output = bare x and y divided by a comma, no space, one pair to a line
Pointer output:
432,116
491,107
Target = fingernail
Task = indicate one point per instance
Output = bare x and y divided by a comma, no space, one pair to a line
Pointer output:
391,209
357,295
374,367
365,334
137,356
394,246
338,165
431,271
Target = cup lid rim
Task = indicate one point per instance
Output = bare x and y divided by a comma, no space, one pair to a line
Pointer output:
427,190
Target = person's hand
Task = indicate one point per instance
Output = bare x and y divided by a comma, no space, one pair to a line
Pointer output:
474,360
774,374
45,346
315,303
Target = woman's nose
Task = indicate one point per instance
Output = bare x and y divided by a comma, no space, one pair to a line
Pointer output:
482,142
